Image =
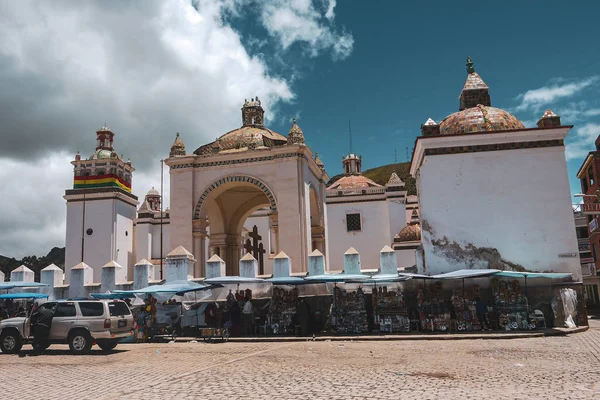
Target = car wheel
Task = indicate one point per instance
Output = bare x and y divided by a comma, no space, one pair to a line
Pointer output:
10,342
80,342
107,346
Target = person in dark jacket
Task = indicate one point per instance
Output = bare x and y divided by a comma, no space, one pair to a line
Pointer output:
481,309
41,322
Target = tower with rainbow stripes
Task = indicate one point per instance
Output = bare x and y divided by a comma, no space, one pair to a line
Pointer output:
101,210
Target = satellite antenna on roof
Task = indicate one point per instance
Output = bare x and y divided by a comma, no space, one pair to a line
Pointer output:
350,133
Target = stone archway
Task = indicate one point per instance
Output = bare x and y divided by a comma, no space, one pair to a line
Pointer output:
223,207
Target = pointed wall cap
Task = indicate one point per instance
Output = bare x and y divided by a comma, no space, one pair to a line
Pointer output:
387,249
52,267
112,264
248,257
394,179
280,255
81,265
215,258
316,253
22,268
430,122
143,261
180,251
351,250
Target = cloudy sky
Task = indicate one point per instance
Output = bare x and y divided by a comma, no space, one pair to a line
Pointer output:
151,68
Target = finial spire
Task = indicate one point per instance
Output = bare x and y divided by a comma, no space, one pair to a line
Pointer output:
470,68
293,120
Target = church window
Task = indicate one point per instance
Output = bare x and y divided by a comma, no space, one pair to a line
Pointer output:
89,231
353,222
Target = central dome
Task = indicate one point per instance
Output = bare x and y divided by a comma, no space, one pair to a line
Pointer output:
479,119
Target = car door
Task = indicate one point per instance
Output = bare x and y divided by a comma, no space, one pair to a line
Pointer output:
65,317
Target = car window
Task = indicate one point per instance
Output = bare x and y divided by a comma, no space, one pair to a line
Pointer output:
48,306
65,310
118,308
91,309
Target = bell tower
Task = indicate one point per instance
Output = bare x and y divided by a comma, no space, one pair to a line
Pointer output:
252,112
101,210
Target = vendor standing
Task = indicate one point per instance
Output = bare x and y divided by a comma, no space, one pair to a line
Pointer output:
41,322
248,316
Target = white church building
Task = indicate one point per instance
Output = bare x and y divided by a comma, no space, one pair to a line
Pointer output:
491,194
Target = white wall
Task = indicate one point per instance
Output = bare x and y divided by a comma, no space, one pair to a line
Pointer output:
109,219
376,231
406,258
515,201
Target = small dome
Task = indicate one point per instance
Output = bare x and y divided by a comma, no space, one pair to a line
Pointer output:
353,182
479,119
295,135
410,233
153,192
178,148
245,137
103,154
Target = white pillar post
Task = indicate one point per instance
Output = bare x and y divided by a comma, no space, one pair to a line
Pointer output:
141,274
215,267
180,265
282,265
316,263
387,261
248,266
351,262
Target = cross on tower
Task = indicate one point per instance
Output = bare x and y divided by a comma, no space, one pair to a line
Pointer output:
257,249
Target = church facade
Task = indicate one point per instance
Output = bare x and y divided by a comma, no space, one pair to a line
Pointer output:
256,191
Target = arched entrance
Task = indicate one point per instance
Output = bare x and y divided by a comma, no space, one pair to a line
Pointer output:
223,208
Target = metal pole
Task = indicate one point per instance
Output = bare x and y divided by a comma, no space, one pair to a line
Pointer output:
84,171
161,218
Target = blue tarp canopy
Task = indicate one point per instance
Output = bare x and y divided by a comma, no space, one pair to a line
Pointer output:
383,278
233,279
15,296
415,276
287,280
173,287
466,273
337,277
533,275
20,284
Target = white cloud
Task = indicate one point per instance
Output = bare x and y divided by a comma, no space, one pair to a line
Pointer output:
147,68
536,99
583,141
298,21
330,13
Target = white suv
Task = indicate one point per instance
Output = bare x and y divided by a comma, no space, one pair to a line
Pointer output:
78,323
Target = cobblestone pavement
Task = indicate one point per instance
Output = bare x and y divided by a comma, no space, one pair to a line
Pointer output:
566,367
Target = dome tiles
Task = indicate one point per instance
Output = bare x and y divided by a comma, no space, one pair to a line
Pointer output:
353,182
479,119
410,233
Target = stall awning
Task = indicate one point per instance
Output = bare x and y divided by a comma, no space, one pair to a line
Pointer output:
233,280
414,276
337,277
466,273
382,278
15,296
287,280
115,296
533,275
20,284
173,287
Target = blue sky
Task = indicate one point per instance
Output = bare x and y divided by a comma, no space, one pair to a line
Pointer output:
151,68
408,64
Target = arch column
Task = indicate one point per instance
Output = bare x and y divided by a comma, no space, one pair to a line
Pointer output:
199,249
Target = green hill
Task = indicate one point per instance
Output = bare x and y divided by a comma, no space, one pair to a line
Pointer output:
381,175
56,256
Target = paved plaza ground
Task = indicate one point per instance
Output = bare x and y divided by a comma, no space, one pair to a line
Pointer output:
563,367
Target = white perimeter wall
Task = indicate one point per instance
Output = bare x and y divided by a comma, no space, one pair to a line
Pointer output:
380,222
516,201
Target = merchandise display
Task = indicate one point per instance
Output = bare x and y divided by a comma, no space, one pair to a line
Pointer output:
282,311
464,309
511,305
349,314
390,310
433,310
